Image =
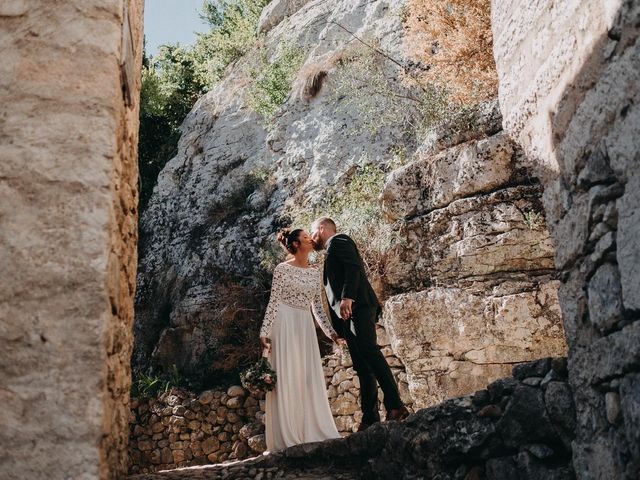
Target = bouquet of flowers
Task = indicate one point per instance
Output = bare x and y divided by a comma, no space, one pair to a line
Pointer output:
259,377
344,355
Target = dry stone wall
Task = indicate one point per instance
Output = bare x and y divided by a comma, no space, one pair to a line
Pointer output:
179,429
69,84
569,93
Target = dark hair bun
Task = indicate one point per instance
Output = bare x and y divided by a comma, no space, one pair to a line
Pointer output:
282,236
286,237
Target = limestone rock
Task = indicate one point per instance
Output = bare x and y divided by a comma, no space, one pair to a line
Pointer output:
453,341
257,443
210,445
474,167
236,391
476,238
483,121
276,11
204,204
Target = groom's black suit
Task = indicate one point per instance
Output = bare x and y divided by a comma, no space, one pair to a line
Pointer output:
344,277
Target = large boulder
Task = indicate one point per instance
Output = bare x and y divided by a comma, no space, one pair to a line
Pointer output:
497,236
454,341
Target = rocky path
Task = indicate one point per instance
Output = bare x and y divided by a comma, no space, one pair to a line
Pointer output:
311,461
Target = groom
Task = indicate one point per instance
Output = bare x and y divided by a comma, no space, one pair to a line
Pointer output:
352,300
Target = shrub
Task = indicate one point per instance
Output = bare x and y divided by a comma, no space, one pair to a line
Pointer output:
356,210
271,81
168,91
533,220
368,82
310,81
149,384
233,33
452,40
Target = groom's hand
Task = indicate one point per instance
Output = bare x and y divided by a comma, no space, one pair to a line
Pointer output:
339,340
346,305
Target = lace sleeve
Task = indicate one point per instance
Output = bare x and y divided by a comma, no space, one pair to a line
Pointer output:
319,313
274,300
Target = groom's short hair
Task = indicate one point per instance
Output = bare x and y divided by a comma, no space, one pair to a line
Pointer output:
324,221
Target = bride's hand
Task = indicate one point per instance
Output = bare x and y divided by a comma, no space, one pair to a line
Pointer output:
265,343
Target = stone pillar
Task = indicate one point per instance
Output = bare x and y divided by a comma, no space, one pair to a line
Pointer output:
69,89
569,80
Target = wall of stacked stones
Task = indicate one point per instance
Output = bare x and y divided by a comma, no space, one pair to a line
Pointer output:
180,428
570,96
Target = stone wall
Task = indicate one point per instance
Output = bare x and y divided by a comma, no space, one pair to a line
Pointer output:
179,429
471,270
569,93
69,84
518,427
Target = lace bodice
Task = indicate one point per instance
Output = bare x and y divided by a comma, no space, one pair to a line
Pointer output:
297,287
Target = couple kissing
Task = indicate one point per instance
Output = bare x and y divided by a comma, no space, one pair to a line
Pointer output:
297,410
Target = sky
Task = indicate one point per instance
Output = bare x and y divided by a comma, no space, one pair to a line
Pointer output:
171,21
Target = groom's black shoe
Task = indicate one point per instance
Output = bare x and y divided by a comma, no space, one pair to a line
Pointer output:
398,414
363,426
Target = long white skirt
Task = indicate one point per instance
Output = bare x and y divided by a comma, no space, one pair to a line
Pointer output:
297,410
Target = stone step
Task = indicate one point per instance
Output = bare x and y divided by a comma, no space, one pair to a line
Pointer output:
281,465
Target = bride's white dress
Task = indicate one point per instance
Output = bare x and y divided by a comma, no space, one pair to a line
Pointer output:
297,411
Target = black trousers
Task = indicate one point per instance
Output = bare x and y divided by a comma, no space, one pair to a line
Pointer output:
368,362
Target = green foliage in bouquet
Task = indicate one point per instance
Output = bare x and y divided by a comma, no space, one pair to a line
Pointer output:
260,377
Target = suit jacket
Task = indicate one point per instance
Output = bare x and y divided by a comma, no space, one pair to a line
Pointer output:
344,275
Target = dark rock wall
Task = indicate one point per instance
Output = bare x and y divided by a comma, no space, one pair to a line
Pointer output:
569,91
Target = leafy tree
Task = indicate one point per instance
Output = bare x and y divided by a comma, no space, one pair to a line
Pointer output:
177,76
170,87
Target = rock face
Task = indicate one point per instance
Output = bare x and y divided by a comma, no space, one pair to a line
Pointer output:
68,212
475,258
569,92
468,212
218,203
488,435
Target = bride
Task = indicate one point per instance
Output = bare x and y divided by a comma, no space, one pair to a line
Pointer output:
297,411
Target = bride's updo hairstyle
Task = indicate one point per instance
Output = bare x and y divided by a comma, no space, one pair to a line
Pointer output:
288,239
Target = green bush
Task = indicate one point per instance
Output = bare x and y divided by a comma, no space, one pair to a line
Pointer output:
271,81
145,385
169,89
371,84
357,212
233,33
